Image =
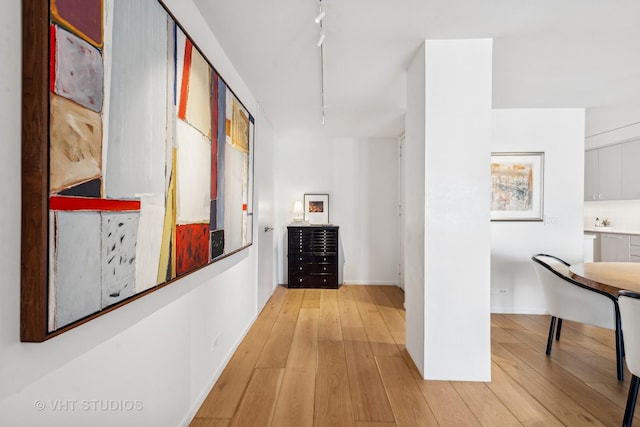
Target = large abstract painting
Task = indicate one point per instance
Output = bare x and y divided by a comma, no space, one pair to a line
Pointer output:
137,159
516,186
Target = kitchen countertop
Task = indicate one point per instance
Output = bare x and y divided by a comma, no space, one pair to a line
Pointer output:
613,230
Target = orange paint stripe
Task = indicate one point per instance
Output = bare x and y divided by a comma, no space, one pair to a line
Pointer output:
184,87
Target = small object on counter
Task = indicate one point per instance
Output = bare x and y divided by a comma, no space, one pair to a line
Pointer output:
605,222
598,223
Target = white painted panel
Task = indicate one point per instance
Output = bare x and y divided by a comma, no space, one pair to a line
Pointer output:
136,154
414,198
119,237
78,266
152,210
192,176
198,108
233,200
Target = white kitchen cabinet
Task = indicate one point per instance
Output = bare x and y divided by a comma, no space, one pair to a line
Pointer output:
591,175
614,247
602,173
630,170
634,249
609,173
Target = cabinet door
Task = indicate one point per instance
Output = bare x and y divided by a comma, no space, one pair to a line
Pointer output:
614,247
591,175
631,170
609,172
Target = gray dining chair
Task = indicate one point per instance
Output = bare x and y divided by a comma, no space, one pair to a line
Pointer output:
629,303
570,300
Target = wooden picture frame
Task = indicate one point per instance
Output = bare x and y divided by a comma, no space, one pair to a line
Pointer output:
150,180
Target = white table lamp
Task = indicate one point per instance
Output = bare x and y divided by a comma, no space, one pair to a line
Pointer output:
298,211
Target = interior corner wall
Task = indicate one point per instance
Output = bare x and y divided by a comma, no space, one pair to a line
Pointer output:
559,133
414,208
452,114
150,362
361,177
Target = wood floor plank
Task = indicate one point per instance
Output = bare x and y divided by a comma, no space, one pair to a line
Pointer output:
352,333
258,402
329,327
296,398
291,305
311,298
598,404
374,325
516,398
273,306
210,422
349,314
390,314
304,346
557,399
374,424
501,335
446,404
486,407
276,348
369,398
409,406
410,363
332,397
395,295
328,382
577,359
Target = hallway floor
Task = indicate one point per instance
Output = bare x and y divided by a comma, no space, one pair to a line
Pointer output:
337,358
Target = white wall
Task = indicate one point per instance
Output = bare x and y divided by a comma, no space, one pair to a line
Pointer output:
361,178
413,197
157,352
452,85
624,215
559,133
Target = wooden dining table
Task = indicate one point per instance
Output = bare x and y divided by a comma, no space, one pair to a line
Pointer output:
610,277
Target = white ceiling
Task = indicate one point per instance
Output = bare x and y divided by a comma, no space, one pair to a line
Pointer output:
547,53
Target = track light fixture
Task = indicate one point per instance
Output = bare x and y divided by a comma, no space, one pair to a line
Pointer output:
318,20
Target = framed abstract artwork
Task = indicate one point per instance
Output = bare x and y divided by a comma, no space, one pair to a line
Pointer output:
137,160
517,186
316,208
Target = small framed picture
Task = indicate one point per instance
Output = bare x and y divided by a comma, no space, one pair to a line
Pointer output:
517,186
316,208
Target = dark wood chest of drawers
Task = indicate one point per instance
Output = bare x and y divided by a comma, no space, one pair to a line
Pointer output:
313,256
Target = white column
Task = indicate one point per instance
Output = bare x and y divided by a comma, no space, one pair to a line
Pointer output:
447,172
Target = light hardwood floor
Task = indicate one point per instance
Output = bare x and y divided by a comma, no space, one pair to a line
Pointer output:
337,358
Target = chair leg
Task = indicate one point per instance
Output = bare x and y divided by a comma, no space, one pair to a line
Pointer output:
552,327
559,328
631,401
619,351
